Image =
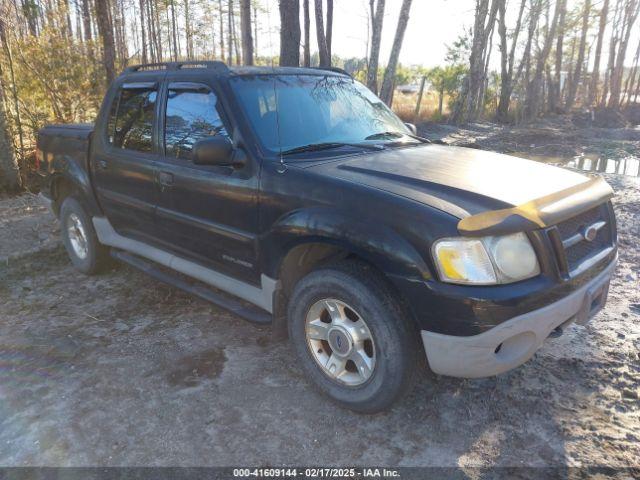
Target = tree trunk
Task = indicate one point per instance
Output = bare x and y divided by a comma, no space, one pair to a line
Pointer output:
416,113
636,95
188,31
230,32
525,63
9,171
329,35
555,93
158,32
307,34
236,44
119,23
174,30
632,77
573,86
245,27
485,77
30,11
571,64
507,59
255,32
86,20
467,105
323,50
613,42
9,167
78,19
154,34
377,21
630,16
505,94
595,75
221,18
388,81
290,33
105,29
63,6
143,33
534,90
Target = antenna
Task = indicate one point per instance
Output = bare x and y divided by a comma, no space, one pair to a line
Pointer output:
283,166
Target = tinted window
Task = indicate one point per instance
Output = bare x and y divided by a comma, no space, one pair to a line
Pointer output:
131,121
191,116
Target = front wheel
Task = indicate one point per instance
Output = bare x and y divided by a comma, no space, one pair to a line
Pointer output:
79,238
352,337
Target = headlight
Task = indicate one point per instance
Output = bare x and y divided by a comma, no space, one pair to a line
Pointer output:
486,260
513,257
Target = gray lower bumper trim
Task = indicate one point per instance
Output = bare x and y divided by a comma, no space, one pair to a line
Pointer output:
517,339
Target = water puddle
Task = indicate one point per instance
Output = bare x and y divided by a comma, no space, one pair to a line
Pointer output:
587,163
624,166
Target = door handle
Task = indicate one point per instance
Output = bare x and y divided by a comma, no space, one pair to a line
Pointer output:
102,164
165,179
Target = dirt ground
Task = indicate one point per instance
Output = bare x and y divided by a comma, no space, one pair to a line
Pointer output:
121,370
556,139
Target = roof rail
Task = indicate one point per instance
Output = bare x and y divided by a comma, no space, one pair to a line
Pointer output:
212,64
335,70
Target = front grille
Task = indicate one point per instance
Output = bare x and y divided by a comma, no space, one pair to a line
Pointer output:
578,250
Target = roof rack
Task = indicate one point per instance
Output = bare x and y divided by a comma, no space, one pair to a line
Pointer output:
210,64
335,70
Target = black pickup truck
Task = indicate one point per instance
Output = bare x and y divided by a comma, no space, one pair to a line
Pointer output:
298,192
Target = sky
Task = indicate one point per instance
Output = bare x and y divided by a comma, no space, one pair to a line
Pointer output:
433,25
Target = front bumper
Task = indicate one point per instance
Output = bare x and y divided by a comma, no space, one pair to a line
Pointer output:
514,341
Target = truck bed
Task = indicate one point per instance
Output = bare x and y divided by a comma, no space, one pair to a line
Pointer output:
57,142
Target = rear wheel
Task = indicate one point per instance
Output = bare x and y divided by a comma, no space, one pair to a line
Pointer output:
80,239
352,337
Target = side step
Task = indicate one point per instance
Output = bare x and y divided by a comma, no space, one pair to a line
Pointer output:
173,279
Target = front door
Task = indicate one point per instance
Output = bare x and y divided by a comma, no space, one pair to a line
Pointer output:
206,213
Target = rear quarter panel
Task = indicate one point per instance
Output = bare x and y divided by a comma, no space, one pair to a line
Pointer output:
64,156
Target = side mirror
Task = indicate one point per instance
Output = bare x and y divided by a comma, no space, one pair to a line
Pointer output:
412,127
216,150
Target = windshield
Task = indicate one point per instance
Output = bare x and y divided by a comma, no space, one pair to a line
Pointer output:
292,111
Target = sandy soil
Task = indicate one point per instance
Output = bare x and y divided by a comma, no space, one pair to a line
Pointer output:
121,370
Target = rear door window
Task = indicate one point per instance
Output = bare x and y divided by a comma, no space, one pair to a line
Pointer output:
191,115
132,118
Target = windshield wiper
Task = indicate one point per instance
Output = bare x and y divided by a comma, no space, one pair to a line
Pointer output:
383,135
316,147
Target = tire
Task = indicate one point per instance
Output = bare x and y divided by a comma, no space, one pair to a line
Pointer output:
393,355
79,237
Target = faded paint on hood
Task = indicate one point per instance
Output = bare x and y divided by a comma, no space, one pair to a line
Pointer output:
460,181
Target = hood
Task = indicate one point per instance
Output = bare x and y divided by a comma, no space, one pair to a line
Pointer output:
459,181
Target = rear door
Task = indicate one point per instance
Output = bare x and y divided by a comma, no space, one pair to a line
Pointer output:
206,213
124,158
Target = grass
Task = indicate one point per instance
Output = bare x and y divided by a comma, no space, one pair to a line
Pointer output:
404,105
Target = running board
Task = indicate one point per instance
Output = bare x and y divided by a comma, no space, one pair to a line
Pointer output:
222,301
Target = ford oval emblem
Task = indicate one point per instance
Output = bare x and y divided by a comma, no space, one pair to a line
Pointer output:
590,234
